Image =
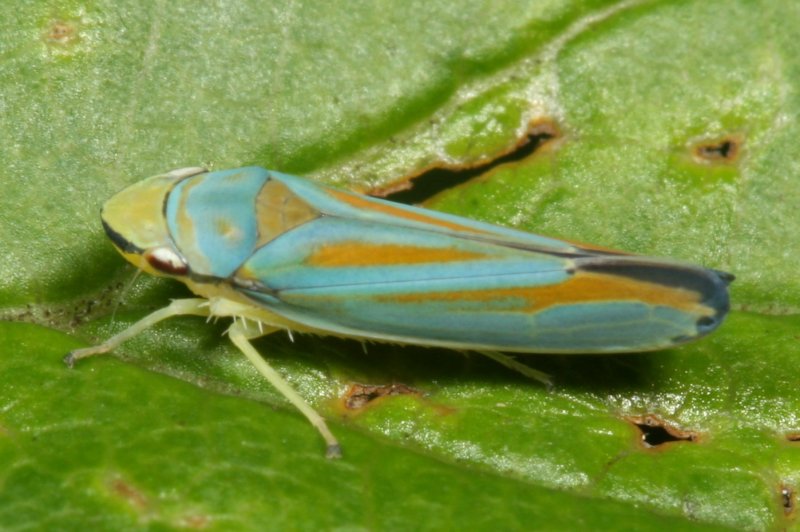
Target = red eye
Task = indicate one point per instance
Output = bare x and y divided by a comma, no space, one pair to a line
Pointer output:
166,260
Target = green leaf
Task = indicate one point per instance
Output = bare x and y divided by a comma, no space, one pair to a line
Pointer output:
114,447
675,135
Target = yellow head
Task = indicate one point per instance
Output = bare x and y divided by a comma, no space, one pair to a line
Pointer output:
134,221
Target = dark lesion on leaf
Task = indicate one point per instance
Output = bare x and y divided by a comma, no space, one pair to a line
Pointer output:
787,498
441,176
656,432
360,395
724,150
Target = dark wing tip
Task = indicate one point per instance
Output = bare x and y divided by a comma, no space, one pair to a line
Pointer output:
712,285
718,299
725,277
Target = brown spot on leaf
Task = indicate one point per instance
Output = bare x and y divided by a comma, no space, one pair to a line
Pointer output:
723,150
431,180
656,432
61,32
126,491
360,395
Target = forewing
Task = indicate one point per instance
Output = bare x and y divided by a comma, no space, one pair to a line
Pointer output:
409,275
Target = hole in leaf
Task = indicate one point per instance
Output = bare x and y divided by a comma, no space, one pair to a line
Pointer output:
722,150
442,177
656,432
360,395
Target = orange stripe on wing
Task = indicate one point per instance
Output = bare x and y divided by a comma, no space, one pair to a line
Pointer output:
364,203
352,253
583,287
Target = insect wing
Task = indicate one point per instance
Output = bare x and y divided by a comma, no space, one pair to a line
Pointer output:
356,266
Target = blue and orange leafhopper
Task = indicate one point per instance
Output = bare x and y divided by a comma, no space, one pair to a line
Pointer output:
274,251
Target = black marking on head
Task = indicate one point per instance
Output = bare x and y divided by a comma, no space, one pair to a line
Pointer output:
119,241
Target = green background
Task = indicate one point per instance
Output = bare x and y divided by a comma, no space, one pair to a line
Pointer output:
177,430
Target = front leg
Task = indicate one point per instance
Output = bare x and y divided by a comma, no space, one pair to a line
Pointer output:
178,307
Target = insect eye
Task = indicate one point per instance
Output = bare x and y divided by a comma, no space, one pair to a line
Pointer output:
166,260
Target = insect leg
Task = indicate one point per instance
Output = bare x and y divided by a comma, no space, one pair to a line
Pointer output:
238,333
178,307
512,363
